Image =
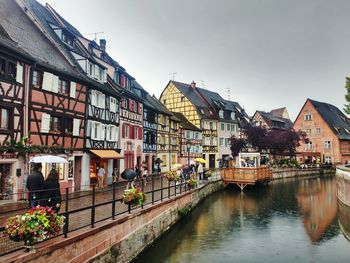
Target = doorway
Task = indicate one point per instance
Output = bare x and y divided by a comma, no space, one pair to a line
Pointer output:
5,186
211,160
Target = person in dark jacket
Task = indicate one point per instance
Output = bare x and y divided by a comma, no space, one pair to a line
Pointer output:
35,183
52,193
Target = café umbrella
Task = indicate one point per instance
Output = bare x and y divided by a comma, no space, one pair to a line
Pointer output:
48,159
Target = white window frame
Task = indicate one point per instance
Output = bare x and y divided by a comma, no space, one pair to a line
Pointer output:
327,145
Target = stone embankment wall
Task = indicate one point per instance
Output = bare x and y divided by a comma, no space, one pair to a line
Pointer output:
117,240
343,184
288,173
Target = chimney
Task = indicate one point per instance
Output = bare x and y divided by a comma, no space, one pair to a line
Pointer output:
193,85
103,44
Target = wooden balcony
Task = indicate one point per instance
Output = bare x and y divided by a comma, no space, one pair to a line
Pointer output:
246,176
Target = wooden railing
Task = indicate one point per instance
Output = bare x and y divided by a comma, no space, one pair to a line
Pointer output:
248,175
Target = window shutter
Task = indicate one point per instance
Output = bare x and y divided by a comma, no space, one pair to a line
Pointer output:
103,132
72,89
131,105
140,133
76,127
54,83
19,73
112,104
96,72
131,130
93,98
47,81
45,123
103,101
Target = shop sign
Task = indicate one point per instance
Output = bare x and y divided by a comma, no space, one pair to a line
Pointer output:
8,156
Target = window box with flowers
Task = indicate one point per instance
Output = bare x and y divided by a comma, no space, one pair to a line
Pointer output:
134,196
192,183
172,176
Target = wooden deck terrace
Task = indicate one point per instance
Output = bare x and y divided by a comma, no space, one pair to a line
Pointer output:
246,176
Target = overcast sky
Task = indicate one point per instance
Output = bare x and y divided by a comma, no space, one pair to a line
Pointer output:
268,53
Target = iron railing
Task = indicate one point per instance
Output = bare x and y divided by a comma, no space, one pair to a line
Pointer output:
86,208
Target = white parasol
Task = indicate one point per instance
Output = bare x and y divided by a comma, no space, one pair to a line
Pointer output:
48,159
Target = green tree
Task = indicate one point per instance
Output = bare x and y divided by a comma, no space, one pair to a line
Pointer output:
347,95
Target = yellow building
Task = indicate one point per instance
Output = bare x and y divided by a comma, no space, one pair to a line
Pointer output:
189,100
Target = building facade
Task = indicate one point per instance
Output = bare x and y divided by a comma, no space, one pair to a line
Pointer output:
328,133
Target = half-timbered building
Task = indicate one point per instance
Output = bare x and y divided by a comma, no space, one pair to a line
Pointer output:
190,140
150,116
56,91
14,65
101,145
188,100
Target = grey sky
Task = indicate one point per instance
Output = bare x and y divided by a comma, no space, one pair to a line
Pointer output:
270,53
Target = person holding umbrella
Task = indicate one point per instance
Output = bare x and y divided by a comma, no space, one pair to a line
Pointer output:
35,183
52,194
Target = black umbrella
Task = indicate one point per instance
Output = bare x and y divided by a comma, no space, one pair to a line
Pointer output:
158,160
128,174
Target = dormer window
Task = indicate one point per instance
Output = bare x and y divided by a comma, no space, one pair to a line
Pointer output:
221,113
67,39
233,116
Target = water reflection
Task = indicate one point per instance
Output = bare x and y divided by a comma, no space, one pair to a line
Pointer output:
318,206
288,221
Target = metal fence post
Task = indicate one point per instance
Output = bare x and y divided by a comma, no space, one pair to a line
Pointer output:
161,187
93,206
152,189
142,189
168,189
66,214
113,203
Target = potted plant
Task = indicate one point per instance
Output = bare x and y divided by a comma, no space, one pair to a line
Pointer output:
192,183
134,196
37,224
172,176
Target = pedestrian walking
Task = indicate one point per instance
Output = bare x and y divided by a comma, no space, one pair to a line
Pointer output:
101,176
35,183
144,177
200,171
52,194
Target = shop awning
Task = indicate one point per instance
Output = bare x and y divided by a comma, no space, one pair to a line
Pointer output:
107,154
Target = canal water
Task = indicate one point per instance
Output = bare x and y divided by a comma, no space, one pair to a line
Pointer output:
295,220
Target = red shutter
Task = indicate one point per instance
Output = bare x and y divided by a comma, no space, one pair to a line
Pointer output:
131,130
131,105
140,133
123,130
140,108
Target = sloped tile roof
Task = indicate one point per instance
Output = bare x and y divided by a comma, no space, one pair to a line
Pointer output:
29,38
287,123
204,109
184,122
335,119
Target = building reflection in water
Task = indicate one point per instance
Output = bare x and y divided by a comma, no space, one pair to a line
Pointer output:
318,205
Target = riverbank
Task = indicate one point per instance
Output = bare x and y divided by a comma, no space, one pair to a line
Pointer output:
343,184
281,173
